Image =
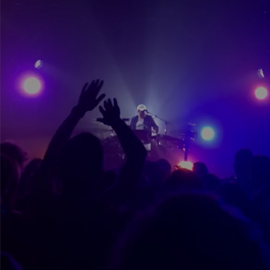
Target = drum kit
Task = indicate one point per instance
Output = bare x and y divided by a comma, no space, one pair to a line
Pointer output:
162,145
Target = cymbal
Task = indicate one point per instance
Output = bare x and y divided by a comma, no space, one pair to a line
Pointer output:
100,125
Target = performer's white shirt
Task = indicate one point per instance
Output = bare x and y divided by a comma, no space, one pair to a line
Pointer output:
140,126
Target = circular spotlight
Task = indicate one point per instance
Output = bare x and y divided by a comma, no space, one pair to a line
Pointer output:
38,64
207,133
261,93
32,86
186,165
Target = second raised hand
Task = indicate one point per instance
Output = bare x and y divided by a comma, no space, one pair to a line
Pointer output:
89,99
110,112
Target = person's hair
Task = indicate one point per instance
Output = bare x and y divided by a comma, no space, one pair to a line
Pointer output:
200,169
233,195
242,160
9,179
165,166
183,179
189,231
81,163
14,151
153,173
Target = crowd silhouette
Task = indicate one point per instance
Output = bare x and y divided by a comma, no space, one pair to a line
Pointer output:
66,212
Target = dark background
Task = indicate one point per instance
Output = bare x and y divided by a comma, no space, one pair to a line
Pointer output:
187,61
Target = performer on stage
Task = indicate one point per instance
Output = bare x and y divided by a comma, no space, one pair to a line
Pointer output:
144,122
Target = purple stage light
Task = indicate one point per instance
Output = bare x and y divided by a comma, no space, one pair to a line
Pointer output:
31,85
261,93
208,133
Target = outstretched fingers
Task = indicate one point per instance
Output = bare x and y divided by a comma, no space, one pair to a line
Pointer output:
109,103
91,85
95,86
100,98
102,111
85,88
105,104
98,85
115,103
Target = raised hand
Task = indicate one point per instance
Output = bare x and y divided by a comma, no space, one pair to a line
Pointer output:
89,99
110,112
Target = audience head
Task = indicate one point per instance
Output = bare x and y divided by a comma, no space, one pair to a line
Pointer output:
14,152
260,172
165,167
242,160
190,231
9,180
81,163
33,166
200,169
182,180
233,195
153,173
27,182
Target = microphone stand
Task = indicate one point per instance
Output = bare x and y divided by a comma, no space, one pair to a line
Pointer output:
189,135
166,122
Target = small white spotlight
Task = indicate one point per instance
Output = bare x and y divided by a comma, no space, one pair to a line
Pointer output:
260,73
38,64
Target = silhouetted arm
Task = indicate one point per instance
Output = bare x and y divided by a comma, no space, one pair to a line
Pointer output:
88,100
130,175
135,152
